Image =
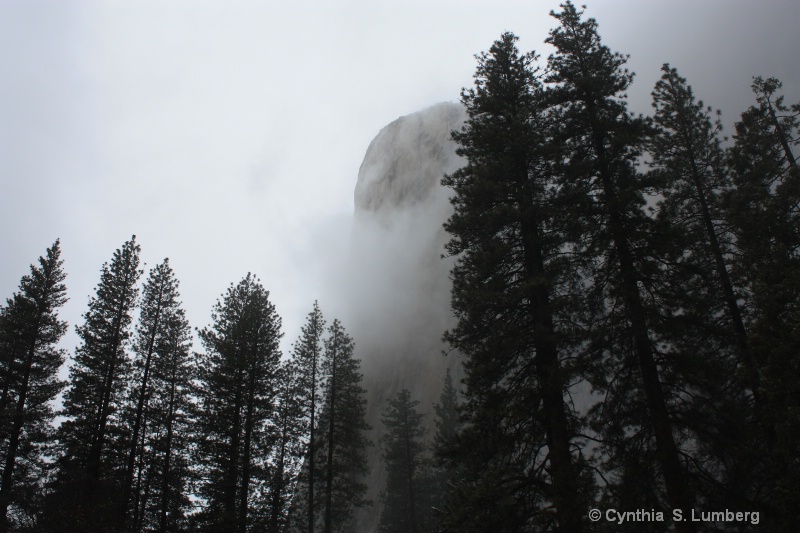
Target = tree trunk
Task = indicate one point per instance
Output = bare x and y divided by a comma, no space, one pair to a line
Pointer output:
787,150
248,433
278,481
229,521
551,383
412,514
734,312
311,450
126,488
329,469
666,449
98,438
548,367
13,444
167,473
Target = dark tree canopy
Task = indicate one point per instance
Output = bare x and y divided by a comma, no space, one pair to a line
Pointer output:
406,497
154,492
762,209
92,437
306,373
341,456
29,361
237,389
511,285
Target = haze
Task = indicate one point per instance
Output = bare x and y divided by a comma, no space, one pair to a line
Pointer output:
228,136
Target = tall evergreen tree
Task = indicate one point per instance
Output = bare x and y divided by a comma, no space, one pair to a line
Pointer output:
342,462
288,429
699,299
88,484
763,206
448,426
172,408
600,142
306,370
158,403
763,212
447,420
687,154
237,387
511,285
406,506
29,363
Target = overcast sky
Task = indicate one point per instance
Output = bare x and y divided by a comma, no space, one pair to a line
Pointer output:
228,135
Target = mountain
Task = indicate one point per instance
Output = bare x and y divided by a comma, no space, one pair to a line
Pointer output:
401,292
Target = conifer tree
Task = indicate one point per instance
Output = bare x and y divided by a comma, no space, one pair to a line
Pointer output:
763,211
508,273
447,420
763,206
88,484
29,361
342,462
158,404
600,142
448,425
306,372
688,158
406,506
698,298
288,429
237,388
173,393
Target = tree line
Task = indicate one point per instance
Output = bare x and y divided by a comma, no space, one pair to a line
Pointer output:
627,290
154,437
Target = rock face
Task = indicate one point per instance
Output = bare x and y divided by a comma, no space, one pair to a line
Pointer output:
401,304
405,162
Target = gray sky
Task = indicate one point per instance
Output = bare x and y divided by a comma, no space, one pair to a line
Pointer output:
228,135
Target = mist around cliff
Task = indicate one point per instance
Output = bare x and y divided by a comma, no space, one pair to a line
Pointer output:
229,141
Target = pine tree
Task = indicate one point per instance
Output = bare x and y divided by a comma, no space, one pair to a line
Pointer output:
341,463
447,421
158,405
763,206
687,153
288,429
237,389
306,372
511,285
448,426
600,143
29,361
173,391
763,212
406,506
87,488
698,297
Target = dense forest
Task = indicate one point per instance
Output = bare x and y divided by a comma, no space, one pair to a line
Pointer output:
627,296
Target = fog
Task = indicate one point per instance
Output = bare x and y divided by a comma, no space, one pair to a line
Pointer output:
228,137
392,289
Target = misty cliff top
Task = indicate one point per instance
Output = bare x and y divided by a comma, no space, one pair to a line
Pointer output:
405,162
